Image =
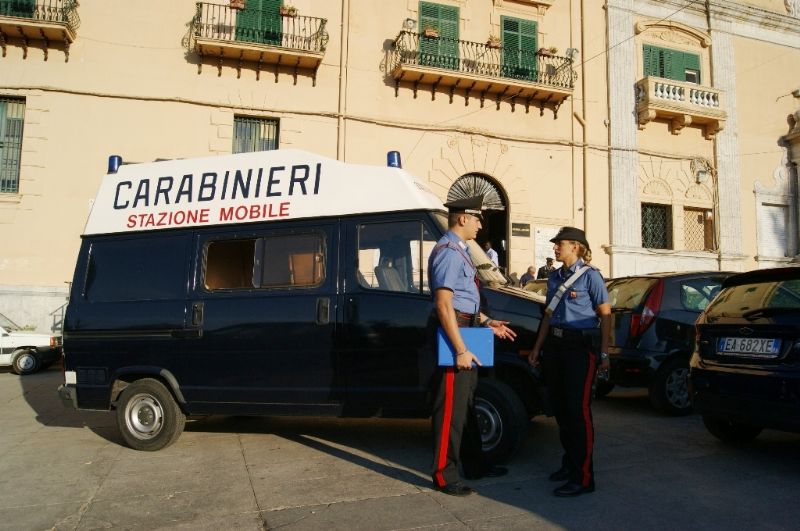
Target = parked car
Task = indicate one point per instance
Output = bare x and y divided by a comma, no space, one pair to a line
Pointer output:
652,333
26,352
745,372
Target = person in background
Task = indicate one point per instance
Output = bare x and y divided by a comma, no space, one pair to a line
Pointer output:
546,269
527,277
491,253
573,320
456,299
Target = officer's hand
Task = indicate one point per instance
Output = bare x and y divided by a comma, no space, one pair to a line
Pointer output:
502,331
465,359
533,357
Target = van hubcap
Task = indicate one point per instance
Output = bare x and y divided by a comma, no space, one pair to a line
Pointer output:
144,417
490,423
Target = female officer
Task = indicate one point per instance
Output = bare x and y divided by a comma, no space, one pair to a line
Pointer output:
570,359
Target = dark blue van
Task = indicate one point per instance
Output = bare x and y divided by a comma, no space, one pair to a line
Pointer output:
261,284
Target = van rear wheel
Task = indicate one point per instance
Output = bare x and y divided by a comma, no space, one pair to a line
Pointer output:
148,417
502,419
729,431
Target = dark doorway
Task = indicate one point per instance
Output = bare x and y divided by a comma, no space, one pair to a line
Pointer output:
495,222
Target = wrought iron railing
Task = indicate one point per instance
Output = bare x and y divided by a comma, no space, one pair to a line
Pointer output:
59,11
476,58
220,22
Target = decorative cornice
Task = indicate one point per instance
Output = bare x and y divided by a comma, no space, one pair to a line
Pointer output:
703,38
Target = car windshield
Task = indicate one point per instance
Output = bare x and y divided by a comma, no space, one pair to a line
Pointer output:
8,324
487,271
628,293
750,299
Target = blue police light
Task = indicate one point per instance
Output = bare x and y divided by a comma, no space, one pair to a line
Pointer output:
393,159
114,162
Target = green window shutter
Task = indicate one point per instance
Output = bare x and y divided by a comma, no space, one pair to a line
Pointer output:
260,21
441,52
519,48
18,8
650,61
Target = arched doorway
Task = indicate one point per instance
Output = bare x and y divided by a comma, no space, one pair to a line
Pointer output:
495,219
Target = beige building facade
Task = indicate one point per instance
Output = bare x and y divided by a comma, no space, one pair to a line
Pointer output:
668,131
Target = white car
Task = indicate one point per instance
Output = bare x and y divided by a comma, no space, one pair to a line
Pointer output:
26,352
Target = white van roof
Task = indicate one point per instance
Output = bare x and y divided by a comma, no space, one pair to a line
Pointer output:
249,188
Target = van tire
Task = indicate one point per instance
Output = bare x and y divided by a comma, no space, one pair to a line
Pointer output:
669,392
148,417
729,431
502,419
25,361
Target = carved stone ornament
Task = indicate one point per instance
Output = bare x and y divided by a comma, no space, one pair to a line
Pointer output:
792,7
693,36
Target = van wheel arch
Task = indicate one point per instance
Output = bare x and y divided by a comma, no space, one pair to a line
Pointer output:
126,377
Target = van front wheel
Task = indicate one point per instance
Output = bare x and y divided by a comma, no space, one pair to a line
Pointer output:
502,419
148,417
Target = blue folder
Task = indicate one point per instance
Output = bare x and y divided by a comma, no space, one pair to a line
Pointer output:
479,341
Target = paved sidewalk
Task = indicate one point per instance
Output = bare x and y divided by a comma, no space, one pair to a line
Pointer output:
64,469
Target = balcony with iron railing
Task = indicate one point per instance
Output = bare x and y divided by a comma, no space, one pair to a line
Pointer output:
258,38
681,104
483,70
40,20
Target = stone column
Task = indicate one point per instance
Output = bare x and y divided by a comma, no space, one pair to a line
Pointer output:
793,139
624,157
727,149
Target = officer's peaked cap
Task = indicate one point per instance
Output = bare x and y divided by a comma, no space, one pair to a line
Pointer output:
469,205
572,234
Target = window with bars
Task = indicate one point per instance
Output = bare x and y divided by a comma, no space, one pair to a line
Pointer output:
671,64
12,118
254,134
698,229
656,226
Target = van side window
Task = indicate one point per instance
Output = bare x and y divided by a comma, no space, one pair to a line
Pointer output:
229,264
281,261
127,269
393,256
296,260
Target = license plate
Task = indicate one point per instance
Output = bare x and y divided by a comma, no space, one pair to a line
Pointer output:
749,347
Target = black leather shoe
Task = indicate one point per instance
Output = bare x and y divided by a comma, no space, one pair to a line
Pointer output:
455,489
570,489
562,474
491,472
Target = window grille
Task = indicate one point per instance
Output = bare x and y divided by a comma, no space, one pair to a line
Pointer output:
697,229
12,117
656,227
254,134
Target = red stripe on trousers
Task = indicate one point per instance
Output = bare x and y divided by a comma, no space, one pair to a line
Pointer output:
444,439
587,393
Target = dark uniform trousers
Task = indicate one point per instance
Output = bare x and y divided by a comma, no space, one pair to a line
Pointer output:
570,365
455,424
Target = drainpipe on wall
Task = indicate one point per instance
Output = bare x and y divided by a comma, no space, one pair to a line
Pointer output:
344,28
582,120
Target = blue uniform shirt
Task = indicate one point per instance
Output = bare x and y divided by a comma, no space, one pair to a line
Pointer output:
577,306
450,266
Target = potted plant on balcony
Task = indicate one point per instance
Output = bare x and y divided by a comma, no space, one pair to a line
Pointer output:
288,10
237,4
493,41
431,32
552,50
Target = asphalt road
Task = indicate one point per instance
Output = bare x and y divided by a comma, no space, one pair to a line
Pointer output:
63,469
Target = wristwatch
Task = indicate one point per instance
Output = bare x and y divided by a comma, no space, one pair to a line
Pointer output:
603,355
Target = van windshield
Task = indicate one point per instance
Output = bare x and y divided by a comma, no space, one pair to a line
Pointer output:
487,271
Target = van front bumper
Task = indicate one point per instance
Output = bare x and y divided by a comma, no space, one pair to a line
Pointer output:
68,396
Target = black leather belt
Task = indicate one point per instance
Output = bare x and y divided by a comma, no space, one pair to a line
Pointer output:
566,333
467,319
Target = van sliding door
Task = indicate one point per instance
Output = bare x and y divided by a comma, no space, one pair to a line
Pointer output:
264,301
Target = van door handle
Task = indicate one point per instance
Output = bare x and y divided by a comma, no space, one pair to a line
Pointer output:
323,310
197,314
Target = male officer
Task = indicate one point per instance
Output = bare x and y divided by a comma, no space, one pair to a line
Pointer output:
546,269
457,304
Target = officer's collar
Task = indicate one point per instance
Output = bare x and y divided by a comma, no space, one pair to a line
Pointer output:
452,236
574,267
